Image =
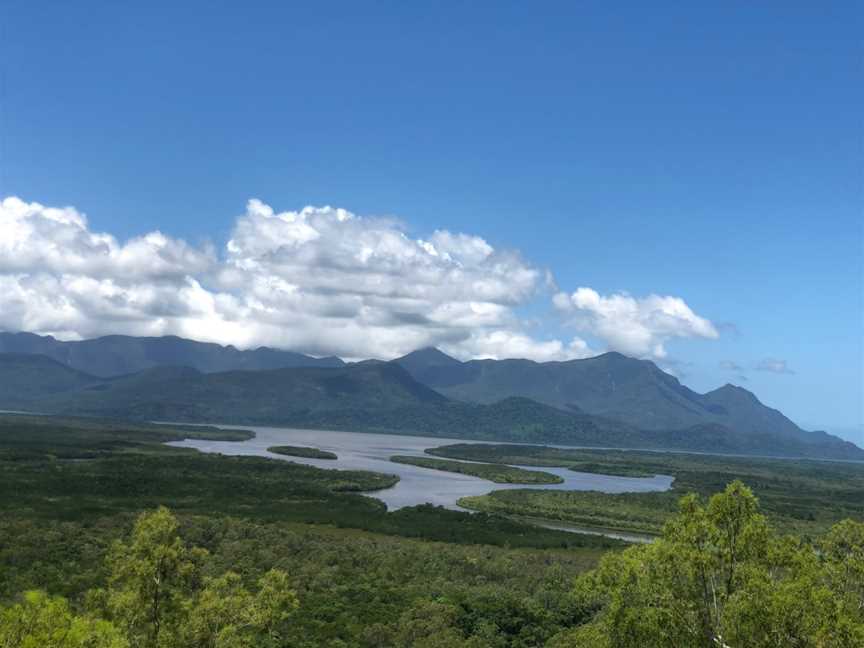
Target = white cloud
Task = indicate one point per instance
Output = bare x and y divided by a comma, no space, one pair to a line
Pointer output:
638,327
774,365
58,241
508,344
320,280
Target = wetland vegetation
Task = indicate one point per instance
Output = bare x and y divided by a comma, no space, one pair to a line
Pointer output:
302,451
798,495
493,472
263,552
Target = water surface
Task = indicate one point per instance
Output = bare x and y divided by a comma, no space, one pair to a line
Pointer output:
361,451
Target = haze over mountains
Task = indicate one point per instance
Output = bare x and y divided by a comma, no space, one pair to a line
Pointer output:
609,400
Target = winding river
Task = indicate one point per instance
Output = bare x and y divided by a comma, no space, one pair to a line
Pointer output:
361,451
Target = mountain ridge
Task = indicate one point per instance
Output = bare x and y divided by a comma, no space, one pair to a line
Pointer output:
361,397
117,355
612,385
613,388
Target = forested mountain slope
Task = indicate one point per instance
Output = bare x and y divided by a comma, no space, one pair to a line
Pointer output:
365,397
115,355
612,385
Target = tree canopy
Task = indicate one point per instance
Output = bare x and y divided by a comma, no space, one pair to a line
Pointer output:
156,597
720,577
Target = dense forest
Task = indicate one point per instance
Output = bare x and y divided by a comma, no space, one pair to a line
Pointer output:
110,538
804,497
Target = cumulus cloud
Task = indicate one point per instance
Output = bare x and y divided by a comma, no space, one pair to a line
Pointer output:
320,280
635,326
509,344
730,365
58,242
774,365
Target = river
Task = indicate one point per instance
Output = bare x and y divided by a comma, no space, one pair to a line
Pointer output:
361,451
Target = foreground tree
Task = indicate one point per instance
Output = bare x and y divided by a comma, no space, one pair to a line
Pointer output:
42,621
718,577
227,615
152,576
158,597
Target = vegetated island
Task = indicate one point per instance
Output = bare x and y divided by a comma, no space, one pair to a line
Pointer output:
129,468
302,451
493,472
633,512
803,497
590,461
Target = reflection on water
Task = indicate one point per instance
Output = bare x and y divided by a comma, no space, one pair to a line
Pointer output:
359,451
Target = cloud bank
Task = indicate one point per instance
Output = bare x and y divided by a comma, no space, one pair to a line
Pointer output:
318,280
639,327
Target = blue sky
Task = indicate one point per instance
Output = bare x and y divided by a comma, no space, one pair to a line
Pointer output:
712,153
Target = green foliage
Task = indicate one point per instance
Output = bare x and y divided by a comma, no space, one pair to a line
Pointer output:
496,473
27,438
156,597
798,496
131,474
430,624
843,556
636,512
228,615
216,576
717,572
719,576
302,451
355,588
41,621
188,481
151,576
592,461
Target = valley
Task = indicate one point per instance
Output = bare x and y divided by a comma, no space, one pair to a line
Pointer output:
602,402
392,513
417,484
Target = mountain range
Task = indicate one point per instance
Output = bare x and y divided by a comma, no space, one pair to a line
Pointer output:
610,385
115,355
610,400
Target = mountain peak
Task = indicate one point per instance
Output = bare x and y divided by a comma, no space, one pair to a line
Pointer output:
614,355
428,356
730,391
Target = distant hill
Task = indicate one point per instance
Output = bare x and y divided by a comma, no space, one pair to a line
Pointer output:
116,355
611,385
183,393
25,377
366,397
